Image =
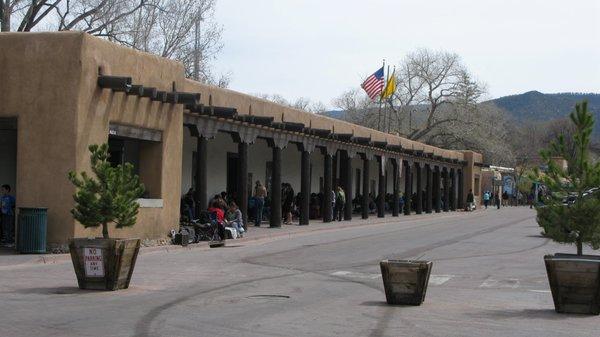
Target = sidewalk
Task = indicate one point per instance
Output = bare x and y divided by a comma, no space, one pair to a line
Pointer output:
8,257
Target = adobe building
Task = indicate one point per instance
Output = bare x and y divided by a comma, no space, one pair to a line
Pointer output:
62,91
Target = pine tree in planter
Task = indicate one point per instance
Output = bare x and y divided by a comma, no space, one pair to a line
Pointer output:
109,197
574,279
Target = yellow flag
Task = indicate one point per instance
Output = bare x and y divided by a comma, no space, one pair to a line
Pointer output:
390,87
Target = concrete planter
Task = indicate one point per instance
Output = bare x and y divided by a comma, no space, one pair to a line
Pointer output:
104,264
405,281
575,283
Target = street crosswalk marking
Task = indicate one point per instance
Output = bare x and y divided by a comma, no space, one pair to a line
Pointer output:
511,283
438,280
355,274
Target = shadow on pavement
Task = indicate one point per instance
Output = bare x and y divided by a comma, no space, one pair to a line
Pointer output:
547,314
56,291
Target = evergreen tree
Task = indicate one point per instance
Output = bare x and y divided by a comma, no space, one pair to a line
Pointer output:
579,222
110,196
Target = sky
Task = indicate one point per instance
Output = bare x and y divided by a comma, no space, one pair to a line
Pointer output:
319,49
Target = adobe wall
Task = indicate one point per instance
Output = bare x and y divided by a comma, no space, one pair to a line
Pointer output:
97,108
39,85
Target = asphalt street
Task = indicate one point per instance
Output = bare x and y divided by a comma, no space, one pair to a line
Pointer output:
488,279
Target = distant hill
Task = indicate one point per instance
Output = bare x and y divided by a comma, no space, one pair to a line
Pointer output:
536,106
337,114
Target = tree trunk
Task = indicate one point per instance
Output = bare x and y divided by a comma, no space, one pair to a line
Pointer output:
4,17
579,247
105,230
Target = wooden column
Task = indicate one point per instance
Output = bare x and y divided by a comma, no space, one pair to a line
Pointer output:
347,163
365,196
242,192
446,179
304,187
334,172
437,198
419,176
461,191
429,189
381,188
407,189
201,176
396,184
275,197
453,190
327,186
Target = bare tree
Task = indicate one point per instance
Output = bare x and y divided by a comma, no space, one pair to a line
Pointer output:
183,30
437,101
301,103
91,16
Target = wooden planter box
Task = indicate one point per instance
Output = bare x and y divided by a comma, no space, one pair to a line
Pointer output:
575,283
405,281
104,264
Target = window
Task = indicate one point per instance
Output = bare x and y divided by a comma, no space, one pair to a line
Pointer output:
476,186
144,155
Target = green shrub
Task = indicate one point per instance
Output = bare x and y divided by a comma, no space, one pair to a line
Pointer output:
579,222
109,197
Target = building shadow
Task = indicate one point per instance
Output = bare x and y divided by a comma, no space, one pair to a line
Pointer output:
544,314
56,291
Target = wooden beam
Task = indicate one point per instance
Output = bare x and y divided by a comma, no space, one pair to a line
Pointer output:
115,83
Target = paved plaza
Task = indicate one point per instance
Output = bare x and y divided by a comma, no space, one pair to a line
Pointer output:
488,279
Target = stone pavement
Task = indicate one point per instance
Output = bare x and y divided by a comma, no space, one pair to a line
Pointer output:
8,257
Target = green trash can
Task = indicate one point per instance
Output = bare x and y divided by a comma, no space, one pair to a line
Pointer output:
31,231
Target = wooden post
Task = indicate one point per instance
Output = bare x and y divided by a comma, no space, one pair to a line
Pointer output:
381,189
201,175
305,188
365,197
453,189
419,205
242,192
407,189
446,178
461,190
396,183
275,197
429,189
348,186
437,202
327,187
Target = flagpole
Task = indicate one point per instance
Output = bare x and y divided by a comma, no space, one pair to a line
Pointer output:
391,99
379,112
385,108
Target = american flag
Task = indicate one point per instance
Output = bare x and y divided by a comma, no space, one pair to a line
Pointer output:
373,85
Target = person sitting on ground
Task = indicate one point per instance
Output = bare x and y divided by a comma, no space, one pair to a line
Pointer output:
222,204
220,214
234,216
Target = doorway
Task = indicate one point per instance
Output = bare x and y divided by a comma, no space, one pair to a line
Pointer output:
8,163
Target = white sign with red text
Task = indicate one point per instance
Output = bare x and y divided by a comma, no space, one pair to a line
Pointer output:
94,262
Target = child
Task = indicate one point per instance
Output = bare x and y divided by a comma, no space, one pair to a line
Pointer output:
234,215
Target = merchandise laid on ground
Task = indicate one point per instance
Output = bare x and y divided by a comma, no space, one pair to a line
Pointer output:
77,90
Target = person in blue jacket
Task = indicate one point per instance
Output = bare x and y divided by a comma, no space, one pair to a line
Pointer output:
7,208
